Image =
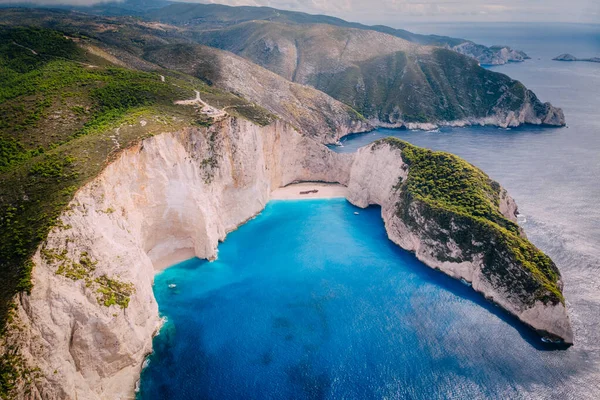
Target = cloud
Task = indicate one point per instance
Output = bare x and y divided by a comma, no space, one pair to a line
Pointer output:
391,11
387,11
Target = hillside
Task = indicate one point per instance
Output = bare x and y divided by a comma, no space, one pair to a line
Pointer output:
363,69
436,87
313,112
65,114
389,80
150,47
299,52
211,16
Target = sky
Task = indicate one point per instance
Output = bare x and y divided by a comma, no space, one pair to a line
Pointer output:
391,11
386,11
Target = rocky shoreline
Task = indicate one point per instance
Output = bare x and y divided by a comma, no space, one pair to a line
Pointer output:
570,57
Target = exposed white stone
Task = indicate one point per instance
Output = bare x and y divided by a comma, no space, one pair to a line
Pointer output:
374,173
158,203
176,195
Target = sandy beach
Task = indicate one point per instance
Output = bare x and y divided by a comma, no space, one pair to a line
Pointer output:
324,191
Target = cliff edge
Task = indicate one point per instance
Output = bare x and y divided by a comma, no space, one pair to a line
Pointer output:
456,219
87,324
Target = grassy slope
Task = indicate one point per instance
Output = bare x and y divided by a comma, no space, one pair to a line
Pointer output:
58,114
442,86
465,202
59,107
412,85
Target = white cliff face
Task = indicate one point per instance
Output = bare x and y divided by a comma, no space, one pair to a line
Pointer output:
373,179
171,197
174,196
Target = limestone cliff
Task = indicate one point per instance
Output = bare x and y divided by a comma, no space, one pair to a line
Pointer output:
88,323
483,246
91,315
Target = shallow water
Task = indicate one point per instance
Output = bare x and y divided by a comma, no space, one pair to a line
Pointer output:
309,300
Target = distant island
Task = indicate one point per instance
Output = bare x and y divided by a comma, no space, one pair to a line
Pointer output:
571,57
494,55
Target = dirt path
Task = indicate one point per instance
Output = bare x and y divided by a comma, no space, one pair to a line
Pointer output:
56,57
27,48
204,107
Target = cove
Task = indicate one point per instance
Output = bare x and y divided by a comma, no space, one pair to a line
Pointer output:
311,301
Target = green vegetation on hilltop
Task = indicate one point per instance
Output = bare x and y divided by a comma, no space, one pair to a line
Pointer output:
59,108
36,47
465,201
55,114
446,181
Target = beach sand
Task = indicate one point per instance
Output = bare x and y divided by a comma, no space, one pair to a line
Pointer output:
325,191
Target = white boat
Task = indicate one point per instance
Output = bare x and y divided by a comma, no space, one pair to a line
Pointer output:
355,212
550,340
172,285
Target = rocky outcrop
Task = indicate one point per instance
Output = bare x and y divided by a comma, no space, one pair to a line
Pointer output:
531,112
570,57
462,247
494,55
171,197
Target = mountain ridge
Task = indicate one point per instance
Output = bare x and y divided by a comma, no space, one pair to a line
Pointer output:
316,54
180,13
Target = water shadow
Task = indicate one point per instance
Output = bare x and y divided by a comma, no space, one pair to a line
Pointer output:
463,291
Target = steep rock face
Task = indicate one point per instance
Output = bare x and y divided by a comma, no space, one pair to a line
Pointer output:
89,320
453,242
91,315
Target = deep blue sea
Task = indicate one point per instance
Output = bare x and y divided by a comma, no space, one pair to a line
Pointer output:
309,301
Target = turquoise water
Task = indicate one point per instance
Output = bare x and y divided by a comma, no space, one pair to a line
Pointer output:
310,301
553,173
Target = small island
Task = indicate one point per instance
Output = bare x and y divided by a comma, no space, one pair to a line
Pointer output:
571,57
